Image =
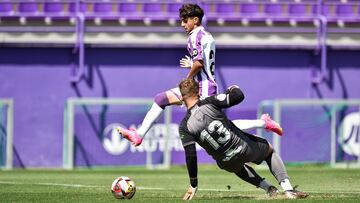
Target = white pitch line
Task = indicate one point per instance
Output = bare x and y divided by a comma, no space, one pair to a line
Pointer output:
72,185
151,188
50,184
95,186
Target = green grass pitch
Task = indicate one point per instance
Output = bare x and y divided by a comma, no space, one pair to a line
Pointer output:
83,185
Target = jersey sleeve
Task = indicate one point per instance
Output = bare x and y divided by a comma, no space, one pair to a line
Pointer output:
233,96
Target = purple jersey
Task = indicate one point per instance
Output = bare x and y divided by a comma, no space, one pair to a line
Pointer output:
201,46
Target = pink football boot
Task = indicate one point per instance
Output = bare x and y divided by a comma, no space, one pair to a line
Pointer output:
271,125
130,134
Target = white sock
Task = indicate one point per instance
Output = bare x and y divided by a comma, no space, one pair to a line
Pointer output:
264,185
286,185
249,124
151,116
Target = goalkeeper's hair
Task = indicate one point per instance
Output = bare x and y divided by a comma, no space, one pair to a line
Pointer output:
189,88
191,10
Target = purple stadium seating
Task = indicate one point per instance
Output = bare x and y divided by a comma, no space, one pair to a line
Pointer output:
6,8
344,10
297,10
53,7
273,9
225,8
28,8
325,10
207,8
103,8
127,8
249,9
72,7
152,8
174,8
129,11
153,11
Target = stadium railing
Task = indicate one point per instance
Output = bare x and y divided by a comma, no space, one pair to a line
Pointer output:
312,113
72,106
6,133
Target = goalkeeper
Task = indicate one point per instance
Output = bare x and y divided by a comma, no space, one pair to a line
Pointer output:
207,125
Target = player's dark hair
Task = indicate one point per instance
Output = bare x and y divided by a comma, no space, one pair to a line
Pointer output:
188,88
191,10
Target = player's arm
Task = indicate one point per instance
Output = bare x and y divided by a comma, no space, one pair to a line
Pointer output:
188,142
232,97
195,68
191,164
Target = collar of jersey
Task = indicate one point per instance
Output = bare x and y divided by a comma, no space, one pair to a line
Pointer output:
196,29
191,108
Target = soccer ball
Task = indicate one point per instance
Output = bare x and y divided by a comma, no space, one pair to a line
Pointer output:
123,188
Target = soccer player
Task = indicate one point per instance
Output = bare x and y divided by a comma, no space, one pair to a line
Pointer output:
201,64
207,125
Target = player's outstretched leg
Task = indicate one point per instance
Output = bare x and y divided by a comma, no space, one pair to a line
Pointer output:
264,122
248,174
271,125
277,168
161,100
130,134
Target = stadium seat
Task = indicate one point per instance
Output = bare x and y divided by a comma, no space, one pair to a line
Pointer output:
209,11
301,12
103,8
72,7
6,9
207,7
249,9
153,11
173,12
345,10
225,8
128,10
295,10
173,8
225,12
152,8
273,9
326,10
28,8
53,8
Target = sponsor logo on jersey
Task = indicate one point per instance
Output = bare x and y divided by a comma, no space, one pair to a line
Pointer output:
194,53
349,138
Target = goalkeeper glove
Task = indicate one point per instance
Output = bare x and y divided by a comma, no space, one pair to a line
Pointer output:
230,88
190,193
185,62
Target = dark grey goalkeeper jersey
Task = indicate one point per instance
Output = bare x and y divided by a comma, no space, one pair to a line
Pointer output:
206,124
